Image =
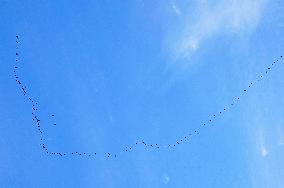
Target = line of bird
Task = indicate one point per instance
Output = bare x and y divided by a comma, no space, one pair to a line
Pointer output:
37,121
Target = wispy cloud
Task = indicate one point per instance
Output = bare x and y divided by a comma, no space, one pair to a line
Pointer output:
176,10
166,179
263,151
226,16
261,142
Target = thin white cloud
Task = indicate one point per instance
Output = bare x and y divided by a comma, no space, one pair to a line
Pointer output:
176,10
263,151
261,141
280,139
226,16
166,179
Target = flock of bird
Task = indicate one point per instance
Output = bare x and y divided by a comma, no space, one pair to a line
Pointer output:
37,121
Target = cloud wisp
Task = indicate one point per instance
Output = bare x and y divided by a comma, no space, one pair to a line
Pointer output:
263,151
176,10
230,17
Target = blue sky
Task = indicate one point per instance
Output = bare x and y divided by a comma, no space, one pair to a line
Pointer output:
117,72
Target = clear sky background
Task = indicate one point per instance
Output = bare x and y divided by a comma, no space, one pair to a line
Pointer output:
114,72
